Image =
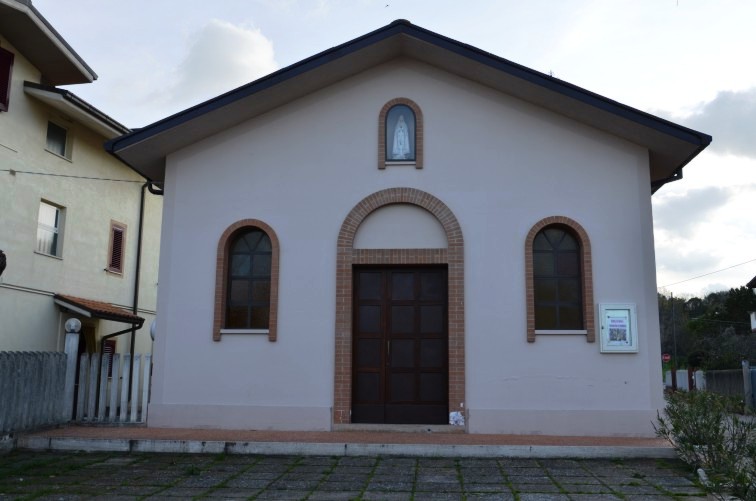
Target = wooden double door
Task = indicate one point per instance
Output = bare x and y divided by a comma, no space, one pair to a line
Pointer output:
400,345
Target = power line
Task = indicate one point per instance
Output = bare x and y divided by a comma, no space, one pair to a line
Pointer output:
14,172
707,274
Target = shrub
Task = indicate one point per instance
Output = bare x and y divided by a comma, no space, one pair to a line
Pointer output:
706,435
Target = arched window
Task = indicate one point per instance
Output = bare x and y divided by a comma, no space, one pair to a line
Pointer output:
400,135
247,281
559,279
556,280
248,295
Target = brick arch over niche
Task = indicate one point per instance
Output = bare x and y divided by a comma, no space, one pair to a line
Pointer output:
347,256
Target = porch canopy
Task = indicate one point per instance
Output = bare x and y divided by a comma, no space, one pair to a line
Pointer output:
91,308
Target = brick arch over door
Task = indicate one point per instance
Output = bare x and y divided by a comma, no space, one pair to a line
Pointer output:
347,256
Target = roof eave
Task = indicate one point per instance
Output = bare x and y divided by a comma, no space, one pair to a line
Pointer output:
79,110
33,36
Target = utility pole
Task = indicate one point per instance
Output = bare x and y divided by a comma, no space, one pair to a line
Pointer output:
674,344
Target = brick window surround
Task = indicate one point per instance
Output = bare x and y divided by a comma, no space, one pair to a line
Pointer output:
347,256
587,274
418,131
221,274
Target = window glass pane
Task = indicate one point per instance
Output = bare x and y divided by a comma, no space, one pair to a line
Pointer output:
569,317
569,290
264,244
545,317
260,316
568,243
47,241
554,235
48,215
240,245
236,317
543,264
261,291
567,264
240,265
56,139
239,293
261,265
540,242
253,238
545,290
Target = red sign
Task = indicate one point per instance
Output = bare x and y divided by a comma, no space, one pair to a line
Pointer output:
666,358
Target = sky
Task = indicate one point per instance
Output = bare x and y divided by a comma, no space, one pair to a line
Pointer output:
689,61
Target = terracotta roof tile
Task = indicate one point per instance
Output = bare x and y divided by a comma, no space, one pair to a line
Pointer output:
101,309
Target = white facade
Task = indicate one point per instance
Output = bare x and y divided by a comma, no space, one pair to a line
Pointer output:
90,188
499,163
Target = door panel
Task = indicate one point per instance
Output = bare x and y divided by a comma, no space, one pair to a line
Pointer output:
400,341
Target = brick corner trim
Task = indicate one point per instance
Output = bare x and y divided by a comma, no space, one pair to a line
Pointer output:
419,131
587,274
346,256
221,274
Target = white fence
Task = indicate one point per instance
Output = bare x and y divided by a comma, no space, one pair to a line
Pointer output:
102,395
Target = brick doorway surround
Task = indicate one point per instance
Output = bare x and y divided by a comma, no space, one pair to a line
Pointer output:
347,256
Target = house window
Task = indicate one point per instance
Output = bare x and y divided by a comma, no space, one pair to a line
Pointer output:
400,134
116,247
6,71
559,279
50,229
57,140
247,280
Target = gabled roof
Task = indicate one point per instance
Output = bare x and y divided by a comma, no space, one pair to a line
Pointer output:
752,283
33,36
670,146
73,106
97,309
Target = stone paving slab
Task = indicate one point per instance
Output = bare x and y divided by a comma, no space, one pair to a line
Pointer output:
138,476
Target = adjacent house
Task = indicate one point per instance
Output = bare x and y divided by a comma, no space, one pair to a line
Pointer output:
71,216
405,229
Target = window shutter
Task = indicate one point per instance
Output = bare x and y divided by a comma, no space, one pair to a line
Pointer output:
108,351
116,250
6,67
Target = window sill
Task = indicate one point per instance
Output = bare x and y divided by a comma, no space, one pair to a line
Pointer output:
562,332
401,163
119,274
245,331
67,159
48,255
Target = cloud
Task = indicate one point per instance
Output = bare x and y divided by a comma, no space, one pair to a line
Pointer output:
680,213
222,57
729,118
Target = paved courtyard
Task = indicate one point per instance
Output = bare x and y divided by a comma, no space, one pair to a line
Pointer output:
116,476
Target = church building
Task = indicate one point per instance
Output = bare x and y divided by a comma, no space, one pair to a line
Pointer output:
407,230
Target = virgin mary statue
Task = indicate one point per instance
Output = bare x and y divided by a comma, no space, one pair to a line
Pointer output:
401,140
